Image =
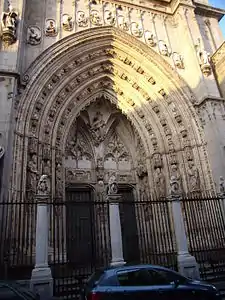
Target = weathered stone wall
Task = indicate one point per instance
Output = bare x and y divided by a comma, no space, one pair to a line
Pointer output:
182,33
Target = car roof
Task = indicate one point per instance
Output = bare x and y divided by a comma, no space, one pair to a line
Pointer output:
131,267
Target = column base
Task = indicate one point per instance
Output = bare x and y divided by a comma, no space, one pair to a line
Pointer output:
117,263
42,283
188,266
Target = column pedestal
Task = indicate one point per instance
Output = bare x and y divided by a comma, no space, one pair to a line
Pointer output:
115,230
41,279
187,264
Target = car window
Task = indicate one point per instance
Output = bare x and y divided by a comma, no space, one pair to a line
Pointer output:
134,278
6,293
169,277
94,278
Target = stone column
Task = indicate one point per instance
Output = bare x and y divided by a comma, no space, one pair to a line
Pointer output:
41,279
187,264
115,230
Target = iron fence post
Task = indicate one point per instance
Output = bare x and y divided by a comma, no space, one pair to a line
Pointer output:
115,230
41,279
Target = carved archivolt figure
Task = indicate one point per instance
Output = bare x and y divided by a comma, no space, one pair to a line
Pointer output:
32,172
82,20
43,187
160,183
163,49
222,185
50,29
33,35
193,177
67,22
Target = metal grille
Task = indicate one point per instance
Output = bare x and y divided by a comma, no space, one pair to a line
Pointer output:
17,239
204,221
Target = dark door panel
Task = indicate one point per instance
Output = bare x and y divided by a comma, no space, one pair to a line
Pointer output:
129,227
79,229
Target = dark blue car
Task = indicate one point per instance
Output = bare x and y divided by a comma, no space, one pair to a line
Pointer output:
142,282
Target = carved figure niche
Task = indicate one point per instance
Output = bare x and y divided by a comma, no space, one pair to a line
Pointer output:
79,154
119,145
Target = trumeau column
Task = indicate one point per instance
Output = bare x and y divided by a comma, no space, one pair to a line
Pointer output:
41,278
114,223
11,49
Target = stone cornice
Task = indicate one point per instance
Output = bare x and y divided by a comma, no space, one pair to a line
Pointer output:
209,11
207,99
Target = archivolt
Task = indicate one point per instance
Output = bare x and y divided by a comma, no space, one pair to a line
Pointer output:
105,61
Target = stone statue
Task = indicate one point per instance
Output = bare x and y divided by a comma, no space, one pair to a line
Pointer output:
178,60
174,186
9,24
82,20
163,49
67,22
32,172
33,35
95,18
109,18
123,23
160,183
204,57
50,29
43,187
193,177
112,187
136,29
222,185
97,128
150,39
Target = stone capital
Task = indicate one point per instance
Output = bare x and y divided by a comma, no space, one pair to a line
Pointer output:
114,198
42,199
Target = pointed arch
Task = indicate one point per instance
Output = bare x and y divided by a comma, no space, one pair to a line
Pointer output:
107,62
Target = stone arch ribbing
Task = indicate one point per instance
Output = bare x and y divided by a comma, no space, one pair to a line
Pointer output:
118,46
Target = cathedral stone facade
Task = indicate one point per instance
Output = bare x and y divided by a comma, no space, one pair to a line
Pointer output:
95,88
